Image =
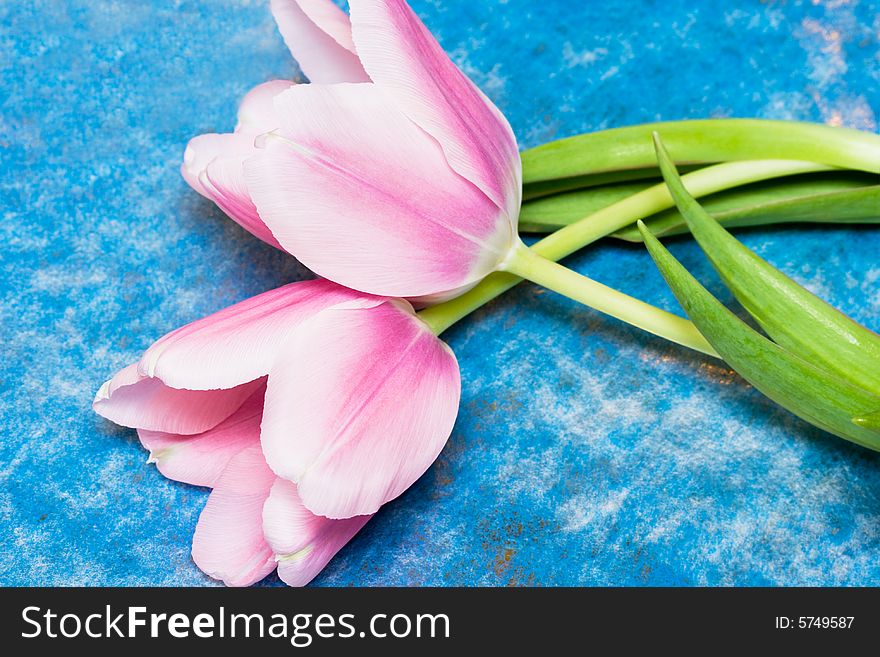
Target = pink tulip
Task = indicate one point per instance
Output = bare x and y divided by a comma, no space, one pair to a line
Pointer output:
391,173
305,408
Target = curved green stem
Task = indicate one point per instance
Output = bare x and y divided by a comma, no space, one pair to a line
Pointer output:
575,236
529,265
703,182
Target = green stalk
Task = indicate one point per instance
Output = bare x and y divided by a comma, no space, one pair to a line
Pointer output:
545,188
524,262
604,222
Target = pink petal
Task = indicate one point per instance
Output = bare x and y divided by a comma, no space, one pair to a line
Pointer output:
204,149
358,406
201,459
256,113
318,35
240,343
364,197
401,55
303,542
228,542
212,163
133,400
223,182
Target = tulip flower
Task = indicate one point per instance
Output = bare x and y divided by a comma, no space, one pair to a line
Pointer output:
306,408
391,173
463,194
407,184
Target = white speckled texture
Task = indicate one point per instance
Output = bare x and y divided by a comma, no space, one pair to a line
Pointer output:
585,452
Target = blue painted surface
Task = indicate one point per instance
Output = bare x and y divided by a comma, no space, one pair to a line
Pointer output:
585,452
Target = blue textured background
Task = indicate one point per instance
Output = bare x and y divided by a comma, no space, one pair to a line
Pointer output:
585,453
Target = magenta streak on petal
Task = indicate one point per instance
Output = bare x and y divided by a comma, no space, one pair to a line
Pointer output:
373,403
223,183
376,376
401,55
337,167
362,196
244,312
239,343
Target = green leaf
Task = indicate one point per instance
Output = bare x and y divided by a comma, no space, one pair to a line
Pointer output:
794,317
869,421
831,197
702,141
551,213
859,205
811,393
546,188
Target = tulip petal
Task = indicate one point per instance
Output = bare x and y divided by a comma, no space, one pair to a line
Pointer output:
223,182
256,113
212,163
358,406
401,55
239,343
228,543
318,35
362,196
133,400
204,149
303,542
201,459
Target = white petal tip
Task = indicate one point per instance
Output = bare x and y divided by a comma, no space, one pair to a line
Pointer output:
103,393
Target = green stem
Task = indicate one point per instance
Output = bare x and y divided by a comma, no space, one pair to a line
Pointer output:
703,182
577,235
526,263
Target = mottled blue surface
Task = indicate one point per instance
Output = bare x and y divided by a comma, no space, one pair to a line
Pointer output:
585,452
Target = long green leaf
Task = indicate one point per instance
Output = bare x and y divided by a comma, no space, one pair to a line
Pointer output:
794,317
556,186
846,206
869,421
702,141
811,393
551,213
835,196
